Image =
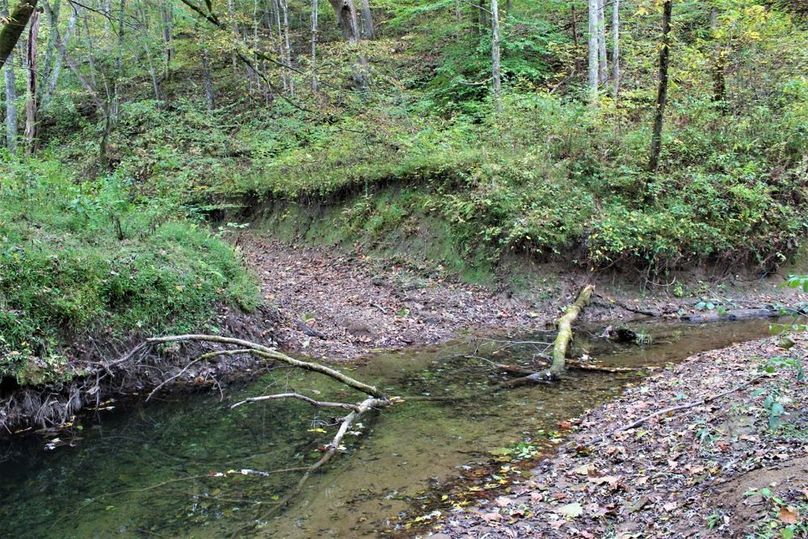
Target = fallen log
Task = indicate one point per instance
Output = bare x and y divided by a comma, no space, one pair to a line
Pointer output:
561,343
562,340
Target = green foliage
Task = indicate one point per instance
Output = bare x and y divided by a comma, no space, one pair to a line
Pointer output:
94,256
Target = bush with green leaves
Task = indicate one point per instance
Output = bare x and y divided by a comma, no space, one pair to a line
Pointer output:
81,257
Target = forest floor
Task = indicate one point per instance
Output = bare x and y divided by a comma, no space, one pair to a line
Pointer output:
735,466
341,305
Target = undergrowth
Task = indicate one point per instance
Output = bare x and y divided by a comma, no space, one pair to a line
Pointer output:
78,257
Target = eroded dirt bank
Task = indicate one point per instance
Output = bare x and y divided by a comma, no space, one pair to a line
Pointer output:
341,305
735,466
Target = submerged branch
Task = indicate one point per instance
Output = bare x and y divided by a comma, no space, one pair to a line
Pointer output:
304,398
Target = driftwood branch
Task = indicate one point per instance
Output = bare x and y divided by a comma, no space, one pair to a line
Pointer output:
272,353
298,396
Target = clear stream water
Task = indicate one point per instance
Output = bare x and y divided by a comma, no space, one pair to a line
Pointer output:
160,469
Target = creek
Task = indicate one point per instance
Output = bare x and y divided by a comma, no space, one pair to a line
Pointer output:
185,465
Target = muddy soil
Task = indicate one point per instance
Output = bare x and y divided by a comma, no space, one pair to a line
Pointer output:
340,305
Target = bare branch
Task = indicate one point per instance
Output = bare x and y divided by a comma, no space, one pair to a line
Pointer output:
304,398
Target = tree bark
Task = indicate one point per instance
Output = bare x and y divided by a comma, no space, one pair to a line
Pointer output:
662,91
603,68
367,29
593,51
616,47
345,11
167,20
31,97
50,52
495,56
53,77
287,48
12,30
314,31
11,96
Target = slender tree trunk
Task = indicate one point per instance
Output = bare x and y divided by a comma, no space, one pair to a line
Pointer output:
276,6
574,26
662,92
287,49
603,68
368,32
11,31
231,14
11,95
208,82
147,51
11,108
593,50
31,102
115,102
314,30
53,80
616,47
167,20
49,86
495,56
719,67
50,52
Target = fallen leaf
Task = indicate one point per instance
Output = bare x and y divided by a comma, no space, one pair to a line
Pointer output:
789,514
571,510
586,469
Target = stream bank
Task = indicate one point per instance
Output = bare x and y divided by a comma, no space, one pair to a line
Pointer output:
736,466
341,304
188,465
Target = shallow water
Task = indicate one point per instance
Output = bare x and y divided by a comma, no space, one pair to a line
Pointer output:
173,468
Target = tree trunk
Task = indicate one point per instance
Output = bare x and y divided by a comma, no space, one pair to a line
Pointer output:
495,56
603,68
12,30
574,27
287,48
31,101
167,20
209,98
276,7
50,52
11,96
662,91
616,47
314,30
53,78
719,68
345,11
367,29
593,50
